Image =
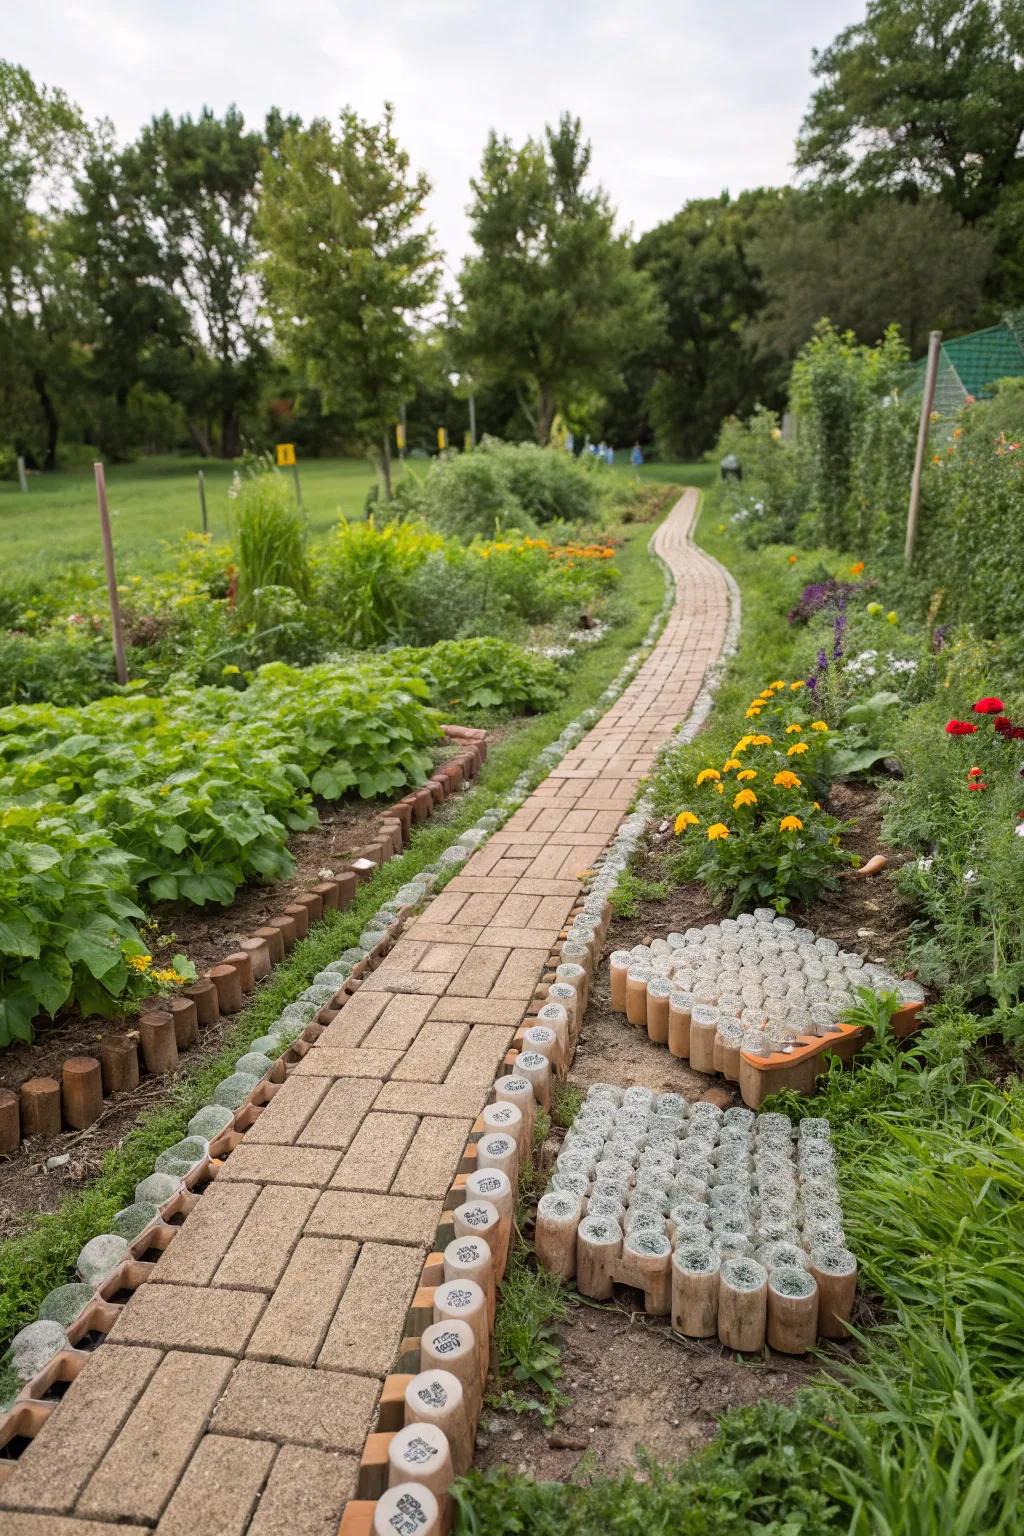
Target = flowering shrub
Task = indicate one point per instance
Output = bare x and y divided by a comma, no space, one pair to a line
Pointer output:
753,827
487,674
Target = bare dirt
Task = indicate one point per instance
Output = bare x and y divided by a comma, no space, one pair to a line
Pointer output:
630,1382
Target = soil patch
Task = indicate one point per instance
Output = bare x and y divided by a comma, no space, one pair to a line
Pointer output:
630,1382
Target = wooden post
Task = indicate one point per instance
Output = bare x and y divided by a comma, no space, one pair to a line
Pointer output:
298,485
108,561
22,477
202,499
472,420
927,401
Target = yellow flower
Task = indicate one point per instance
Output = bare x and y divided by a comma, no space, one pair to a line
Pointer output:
778,683
169,977
892,617
786,780
796,749
719,788
766,693
742,745
230,670
817,805
708,773
760,741
747,775
794,727
798,684
744,797
686,819
730,763
791,824
818,725
717,830
753,712
140,963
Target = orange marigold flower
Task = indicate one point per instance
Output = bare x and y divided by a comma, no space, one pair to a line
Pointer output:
800,683
791,824
760,741
818,725
790,729
744,797
686,819
796,749
730,763
857,568
747,775
785,779
717,830
707,773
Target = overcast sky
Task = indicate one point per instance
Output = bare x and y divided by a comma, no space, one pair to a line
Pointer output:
681,98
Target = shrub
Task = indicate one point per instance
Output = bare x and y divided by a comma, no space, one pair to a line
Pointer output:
364,575
62,665
502,486
486,674
269,534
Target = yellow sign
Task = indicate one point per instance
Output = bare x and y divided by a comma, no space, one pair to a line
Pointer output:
442,439
400,437
285,455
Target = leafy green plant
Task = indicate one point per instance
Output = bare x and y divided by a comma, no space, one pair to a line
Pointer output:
269,535
485,674
363,577
633,889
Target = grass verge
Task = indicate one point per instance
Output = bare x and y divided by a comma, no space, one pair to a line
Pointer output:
42,1257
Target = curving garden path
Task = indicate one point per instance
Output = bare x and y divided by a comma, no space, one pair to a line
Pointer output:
236,1389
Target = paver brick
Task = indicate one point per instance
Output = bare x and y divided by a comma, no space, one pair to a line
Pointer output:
446,933
480,1057
479,1010
400,1023
280,1165
432,1052
305,1493
538,937
206,1234
515,911
479,907
370,1322
190,1317
433,1157
456,1100
444,957
323,1061
257,1258
520,974
300,1311
403,981
220,1488
476,975
54,1467
341,1113
138,1474
23,1524
373,1159
292,1405
357,1017
397,1218
287,1112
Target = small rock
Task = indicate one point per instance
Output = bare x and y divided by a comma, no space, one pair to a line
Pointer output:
516,1434
99,1256
35,1346
58,1162
65,1303
718,1096
157,1189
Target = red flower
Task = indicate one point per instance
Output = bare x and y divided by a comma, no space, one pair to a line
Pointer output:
988,707
1002,724
960,728
977,784
974,773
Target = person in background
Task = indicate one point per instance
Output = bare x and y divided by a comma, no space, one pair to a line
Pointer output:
610,455
636,458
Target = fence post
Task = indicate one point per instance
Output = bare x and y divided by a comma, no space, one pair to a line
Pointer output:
202,499
927,401
108,561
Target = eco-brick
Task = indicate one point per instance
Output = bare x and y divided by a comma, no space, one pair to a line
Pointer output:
292,1405
188,1317
305,1493
340,1213
300,1311
433,1157
369,1324
139,1473
341,1113
432,1052
322,1061
55,1466
220,1488
206,1234
261,1249
375,1155
280,1165
288,1112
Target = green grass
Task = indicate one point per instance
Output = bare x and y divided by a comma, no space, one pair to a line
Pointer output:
150,502
157,500
41,1258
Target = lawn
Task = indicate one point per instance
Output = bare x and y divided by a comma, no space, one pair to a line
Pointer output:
157,499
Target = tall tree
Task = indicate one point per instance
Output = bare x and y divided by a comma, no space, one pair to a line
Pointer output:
928,93
818,260
705,365
194,183
552,303
42,141
349,267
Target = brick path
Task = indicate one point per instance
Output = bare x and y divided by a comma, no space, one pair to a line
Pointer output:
236,1389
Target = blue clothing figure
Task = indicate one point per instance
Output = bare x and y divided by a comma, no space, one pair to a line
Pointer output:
636,458
610,455
570,443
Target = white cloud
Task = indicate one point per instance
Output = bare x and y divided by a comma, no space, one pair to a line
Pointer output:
681,98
